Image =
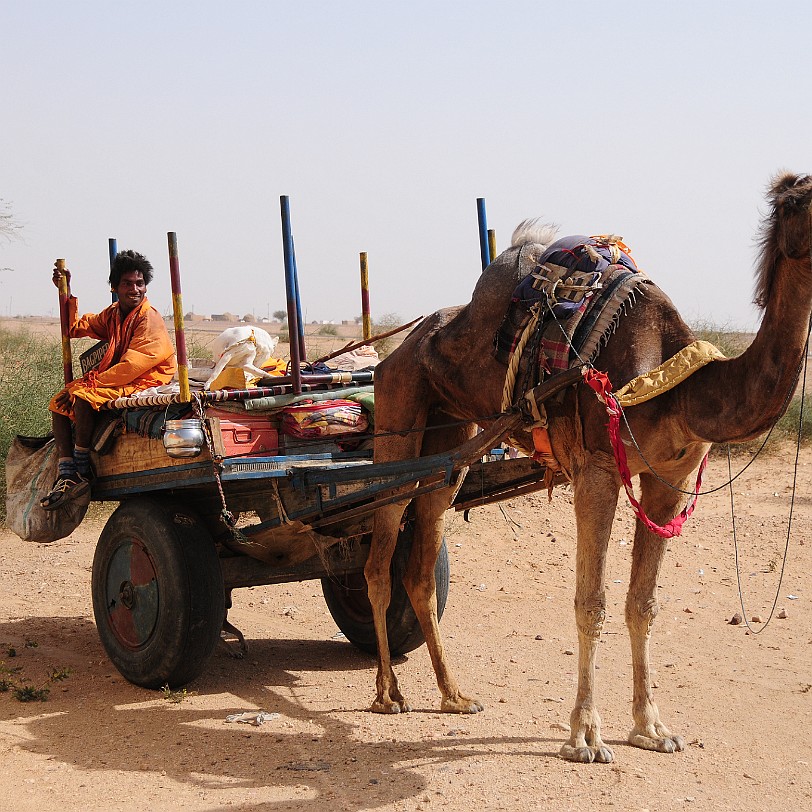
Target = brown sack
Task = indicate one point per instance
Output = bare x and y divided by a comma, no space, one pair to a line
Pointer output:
31,468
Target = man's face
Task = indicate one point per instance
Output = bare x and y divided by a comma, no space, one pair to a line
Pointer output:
131,290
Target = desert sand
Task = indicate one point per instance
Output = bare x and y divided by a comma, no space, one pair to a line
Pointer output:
741,700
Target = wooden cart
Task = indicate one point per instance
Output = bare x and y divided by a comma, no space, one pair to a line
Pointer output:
190,530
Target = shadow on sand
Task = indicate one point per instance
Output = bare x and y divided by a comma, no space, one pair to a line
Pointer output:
96,720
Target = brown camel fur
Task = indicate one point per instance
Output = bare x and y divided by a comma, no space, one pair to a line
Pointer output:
444,372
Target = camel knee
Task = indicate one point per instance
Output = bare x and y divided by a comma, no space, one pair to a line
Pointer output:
641,613
590,617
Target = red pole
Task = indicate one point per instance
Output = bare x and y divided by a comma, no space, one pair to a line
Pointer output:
64,325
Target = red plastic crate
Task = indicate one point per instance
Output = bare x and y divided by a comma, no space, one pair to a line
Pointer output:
244,434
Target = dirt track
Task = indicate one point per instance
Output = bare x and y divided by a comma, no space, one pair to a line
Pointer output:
742,702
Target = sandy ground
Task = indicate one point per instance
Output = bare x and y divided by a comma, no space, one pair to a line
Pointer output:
739,699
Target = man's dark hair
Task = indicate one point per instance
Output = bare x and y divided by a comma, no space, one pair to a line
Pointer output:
129,261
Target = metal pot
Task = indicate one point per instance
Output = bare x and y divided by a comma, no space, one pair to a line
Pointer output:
183,438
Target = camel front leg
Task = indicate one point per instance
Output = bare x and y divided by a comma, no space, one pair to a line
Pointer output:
421,586
661,504
596,492
379,588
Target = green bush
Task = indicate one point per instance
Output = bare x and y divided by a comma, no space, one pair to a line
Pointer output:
30,373
787,426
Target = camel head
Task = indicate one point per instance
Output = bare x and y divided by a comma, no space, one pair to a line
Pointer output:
786,231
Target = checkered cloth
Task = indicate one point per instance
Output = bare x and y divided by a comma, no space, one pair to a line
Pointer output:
579,339
576,339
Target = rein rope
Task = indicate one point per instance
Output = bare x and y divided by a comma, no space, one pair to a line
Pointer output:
804,365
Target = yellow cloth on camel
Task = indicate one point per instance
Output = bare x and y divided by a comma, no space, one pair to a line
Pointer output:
140,355
668,374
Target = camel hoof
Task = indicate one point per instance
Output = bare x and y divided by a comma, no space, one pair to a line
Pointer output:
582,755
674,744
587,755
666,744
604,755
461,704
390,707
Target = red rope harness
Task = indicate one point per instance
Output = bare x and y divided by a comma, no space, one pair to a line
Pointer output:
600,384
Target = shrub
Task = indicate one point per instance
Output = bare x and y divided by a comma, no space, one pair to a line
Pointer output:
30,373
383,324
328,330
730,342
733,343
198,344
787,426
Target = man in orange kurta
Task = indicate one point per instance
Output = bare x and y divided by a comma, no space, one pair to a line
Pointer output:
139,356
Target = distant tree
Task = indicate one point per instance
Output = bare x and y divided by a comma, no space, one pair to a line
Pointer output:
9,227
280,315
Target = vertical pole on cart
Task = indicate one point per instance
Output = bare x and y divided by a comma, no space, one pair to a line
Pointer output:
64,325
291,294
299,319
491,244
482,218
366,320
177,311
112,250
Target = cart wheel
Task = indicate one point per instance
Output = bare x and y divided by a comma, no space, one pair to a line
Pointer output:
158,592
347,600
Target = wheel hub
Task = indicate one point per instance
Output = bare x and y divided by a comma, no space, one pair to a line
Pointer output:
132,595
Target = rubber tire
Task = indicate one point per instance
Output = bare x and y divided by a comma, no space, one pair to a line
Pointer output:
347,600
172,624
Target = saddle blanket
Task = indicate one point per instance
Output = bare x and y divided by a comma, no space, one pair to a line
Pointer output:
579,289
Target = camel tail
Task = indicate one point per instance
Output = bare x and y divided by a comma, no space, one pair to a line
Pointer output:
534,231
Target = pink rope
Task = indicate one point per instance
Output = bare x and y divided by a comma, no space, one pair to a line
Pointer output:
602,387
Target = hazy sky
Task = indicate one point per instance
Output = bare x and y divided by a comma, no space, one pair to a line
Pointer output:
383,122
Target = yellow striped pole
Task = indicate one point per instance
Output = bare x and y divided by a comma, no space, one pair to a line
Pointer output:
366,319
64,326
492,244
177,311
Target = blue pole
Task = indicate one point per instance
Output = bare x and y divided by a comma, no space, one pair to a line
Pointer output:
112,248
291,294
484,250
299,319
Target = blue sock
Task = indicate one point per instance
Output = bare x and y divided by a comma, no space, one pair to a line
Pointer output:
81,457
66,468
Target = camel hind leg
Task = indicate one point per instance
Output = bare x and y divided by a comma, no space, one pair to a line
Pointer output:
386,527
399,423
419,579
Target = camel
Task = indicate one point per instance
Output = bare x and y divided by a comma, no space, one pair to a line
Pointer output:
444,373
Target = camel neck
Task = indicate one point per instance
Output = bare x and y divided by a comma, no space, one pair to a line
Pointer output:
740,398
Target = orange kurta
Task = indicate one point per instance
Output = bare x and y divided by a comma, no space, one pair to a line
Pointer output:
139,357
